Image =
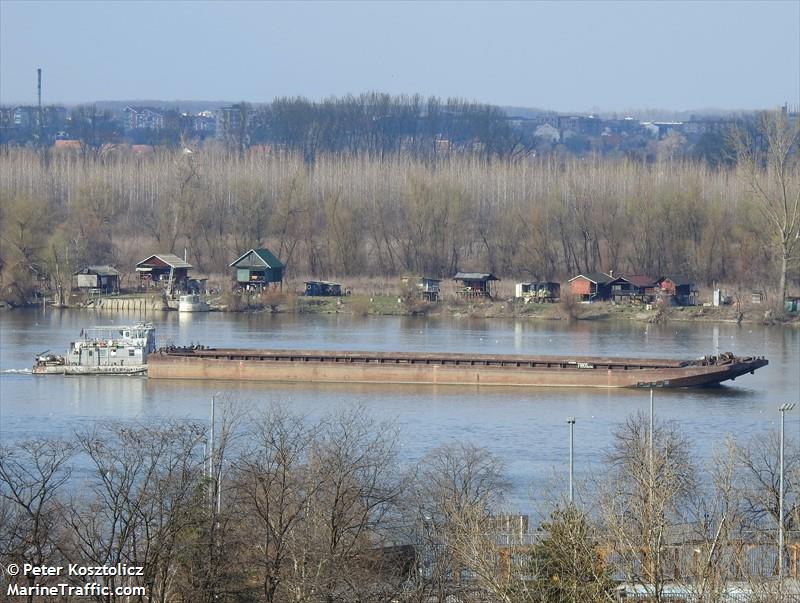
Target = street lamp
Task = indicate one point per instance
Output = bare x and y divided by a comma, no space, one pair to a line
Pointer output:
782,408
571,423
211,444
650,450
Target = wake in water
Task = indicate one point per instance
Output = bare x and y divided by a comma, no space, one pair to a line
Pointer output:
22,371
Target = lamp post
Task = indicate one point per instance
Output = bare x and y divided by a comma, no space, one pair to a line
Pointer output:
650,450
211,439
782,408
571,423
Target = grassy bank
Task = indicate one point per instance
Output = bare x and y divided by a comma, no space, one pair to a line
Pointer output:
386,305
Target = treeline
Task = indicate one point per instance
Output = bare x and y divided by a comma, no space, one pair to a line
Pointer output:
375,124
348,215
276,507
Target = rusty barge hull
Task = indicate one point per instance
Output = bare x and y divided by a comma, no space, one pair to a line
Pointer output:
309,366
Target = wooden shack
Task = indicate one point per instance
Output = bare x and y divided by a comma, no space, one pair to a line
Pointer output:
258,268
158,270
424,287
679,290
635,288
474,284
323,289
592,286
102,278
538,291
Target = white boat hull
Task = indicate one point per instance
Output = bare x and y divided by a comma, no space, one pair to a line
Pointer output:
90,370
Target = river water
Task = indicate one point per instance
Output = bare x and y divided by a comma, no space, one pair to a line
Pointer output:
525,427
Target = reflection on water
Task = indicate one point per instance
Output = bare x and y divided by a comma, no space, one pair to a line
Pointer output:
525,426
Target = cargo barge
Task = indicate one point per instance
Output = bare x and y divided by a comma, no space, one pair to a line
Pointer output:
309,366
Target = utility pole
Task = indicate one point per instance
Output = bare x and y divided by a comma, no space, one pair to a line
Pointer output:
650,440
782,408
211,441
571,423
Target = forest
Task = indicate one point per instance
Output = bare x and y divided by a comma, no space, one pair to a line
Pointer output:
348,214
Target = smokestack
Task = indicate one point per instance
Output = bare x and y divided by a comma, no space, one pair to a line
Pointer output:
40,128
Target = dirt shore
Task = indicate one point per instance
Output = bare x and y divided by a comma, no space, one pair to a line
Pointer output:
391,305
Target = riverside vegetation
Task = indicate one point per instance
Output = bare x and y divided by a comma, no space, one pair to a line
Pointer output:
354,214
289,509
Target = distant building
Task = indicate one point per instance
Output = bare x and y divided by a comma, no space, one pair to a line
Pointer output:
68,145
538,291
425,287
475,284
547,132
148,118
679,290
634,288
580,125
258,268
233,124
592,286
160,269
322,289
105,278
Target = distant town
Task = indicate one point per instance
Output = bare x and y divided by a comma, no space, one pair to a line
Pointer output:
373,122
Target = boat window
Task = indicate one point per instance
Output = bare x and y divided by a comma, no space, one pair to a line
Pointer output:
130,351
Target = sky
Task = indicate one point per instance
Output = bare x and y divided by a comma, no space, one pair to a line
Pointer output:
562,56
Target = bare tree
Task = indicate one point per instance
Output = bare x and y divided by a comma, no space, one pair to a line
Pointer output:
274,486
457,488
643,500
32,475
769,161
138,503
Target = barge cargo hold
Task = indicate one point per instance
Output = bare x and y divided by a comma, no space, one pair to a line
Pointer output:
305,366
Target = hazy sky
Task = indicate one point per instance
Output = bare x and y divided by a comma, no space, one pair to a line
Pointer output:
565,56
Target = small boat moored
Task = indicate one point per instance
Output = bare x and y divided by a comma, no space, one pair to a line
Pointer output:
192,302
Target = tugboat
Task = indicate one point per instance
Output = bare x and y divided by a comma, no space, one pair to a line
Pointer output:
111,350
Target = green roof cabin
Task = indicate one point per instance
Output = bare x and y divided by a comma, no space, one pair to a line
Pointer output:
258,268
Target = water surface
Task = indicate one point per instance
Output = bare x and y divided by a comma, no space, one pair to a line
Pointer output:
526,427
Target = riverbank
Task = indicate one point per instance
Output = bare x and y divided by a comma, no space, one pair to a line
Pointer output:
361,305
391,305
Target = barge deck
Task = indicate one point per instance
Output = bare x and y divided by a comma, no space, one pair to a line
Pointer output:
316,366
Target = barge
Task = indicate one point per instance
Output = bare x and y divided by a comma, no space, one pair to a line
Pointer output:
310,366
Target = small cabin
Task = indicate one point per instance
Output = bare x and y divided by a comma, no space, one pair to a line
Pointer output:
474,284
591,287
158,270
424,287
538,291
635,288
679,290
323,289
258,268
101,278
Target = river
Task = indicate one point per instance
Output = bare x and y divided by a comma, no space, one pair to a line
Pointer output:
525,427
